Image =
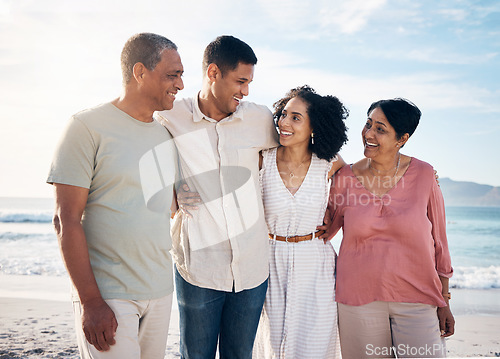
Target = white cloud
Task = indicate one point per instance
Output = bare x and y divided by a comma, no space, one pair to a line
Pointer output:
321,18
447,54
5,6
349,16
469,12
59,56
432,90
454,14
65,7
440,56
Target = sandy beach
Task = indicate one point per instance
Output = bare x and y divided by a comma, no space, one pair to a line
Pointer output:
36,321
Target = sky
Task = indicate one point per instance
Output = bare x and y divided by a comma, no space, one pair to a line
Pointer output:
58,57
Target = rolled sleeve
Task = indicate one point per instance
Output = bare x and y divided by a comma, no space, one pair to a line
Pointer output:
437,216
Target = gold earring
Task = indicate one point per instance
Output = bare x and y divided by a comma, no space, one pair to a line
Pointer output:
312,138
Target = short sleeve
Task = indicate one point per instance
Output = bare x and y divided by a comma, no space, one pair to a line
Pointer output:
73,161
269,130
330,165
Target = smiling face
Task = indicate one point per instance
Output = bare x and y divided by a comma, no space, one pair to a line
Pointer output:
229,89
379,137
294,124
163,82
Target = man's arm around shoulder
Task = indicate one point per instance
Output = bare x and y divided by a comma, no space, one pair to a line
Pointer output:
99,322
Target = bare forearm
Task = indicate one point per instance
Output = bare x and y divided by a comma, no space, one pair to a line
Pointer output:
70,205
445,289
74,250
445,317
98,320
336,166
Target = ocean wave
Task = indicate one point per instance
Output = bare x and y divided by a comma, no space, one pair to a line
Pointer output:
51,264
476,277
27,254
26,217
15,267
28,238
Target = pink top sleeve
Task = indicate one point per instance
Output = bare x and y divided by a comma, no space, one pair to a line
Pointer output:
394,247
436,214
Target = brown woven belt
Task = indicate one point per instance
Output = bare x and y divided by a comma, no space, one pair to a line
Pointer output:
296,239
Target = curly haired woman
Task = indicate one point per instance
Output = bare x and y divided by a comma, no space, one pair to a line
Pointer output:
299,319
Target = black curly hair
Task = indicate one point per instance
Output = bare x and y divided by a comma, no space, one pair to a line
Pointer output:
327,115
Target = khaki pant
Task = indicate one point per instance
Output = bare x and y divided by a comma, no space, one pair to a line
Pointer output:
387,329
142,329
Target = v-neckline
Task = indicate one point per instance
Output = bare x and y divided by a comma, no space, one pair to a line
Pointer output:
281,179
390,189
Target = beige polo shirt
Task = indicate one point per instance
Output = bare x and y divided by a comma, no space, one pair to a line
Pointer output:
225,243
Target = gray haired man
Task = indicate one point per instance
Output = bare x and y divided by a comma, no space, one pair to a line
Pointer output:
113,175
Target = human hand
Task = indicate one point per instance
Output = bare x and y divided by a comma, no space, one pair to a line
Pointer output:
326,226
437,177
187,200
446,321
99,324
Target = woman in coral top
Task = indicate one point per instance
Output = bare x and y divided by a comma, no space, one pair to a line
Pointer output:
393,265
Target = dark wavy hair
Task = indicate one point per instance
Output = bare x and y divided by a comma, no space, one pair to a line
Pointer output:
402,114
145,48
227,52
327,115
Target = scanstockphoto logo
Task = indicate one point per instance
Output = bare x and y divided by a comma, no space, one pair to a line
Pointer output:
230,196
407,351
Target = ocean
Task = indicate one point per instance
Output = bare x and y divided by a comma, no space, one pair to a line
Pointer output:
28,245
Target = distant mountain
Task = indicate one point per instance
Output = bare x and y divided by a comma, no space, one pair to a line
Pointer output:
457,193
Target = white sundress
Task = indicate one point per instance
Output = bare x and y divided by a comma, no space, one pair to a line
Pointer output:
299,318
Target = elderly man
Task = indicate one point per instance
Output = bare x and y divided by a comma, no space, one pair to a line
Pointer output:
113,175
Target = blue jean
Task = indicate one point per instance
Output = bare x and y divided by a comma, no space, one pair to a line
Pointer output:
207,316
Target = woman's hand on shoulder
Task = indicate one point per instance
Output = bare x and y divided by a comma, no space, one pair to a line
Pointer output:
327,221
337,165
437,176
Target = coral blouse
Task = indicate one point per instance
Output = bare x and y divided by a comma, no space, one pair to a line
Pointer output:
394,247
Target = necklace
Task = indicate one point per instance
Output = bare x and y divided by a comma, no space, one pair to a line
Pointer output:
291,174
378,171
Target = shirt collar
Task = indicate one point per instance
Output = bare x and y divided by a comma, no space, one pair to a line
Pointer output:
198,115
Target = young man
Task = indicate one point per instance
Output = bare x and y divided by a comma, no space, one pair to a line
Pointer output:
112,217
221,249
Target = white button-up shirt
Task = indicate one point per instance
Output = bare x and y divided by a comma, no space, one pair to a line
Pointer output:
225,243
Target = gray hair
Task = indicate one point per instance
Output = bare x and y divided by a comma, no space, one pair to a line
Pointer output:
145,48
